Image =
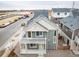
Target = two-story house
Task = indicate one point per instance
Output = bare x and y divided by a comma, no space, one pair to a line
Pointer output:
69,30
39,36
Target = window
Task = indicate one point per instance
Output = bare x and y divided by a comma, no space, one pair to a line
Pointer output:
32,46
29,34
39,34
55,33
65,13
58,13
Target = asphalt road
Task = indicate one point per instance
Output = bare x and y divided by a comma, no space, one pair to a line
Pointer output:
7,32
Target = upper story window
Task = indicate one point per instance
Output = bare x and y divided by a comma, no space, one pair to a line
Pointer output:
65,13
39,34
58,13
32,46
29,34
55,33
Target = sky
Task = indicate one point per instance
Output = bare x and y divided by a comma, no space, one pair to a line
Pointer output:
37,4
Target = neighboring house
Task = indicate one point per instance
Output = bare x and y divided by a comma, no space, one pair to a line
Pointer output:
39,36
69,30
59,13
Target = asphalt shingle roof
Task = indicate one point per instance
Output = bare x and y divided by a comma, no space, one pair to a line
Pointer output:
71,22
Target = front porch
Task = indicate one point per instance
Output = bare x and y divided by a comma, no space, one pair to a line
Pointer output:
34,40
62,45
49,53
33,46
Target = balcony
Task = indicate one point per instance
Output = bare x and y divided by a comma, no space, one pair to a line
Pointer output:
66,31
34,40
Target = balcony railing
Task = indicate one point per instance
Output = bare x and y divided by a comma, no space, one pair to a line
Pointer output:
68,33
34,40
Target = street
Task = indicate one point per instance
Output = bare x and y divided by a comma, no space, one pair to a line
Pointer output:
7,32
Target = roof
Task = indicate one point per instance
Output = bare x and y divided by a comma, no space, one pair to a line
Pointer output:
42,20
40,23
46,25
35,27
75,12
61,9
71,22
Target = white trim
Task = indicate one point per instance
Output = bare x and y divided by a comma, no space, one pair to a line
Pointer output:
33,40
31,34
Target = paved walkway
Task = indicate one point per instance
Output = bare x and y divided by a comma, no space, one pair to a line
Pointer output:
55,53
59,53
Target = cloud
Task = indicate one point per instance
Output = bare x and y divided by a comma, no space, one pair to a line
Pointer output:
35,4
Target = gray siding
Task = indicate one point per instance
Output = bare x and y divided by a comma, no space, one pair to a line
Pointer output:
50,44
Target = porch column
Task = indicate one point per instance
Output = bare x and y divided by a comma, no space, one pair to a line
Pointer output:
77,48
56,39
71,43
26,46
40,54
